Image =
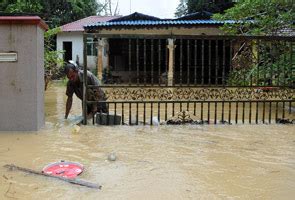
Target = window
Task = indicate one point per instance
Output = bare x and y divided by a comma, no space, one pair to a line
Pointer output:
91,47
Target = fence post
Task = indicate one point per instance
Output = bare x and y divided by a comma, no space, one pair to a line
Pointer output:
84,102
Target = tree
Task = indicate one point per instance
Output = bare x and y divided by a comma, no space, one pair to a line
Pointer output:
52,61
54,12
258,17
20,6
181,9
191,6
108,8
62,12
212,6
5,3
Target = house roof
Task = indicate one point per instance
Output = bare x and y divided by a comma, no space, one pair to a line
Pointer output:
139,19
135,16
159,22
78,25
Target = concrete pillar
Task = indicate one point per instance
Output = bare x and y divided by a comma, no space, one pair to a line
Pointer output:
21,73
100,45
171,48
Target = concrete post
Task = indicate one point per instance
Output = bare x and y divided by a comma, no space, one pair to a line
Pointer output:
21,73
171,48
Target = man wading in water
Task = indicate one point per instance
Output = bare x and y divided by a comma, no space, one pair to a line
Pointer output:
75,85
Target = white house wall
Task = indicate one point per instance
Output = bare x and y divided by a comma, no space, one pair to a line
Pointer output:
77,44
77,48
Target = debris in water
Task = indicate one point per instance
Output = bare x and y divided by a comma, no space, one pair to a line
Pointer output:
76,129
285,121
64,169
112,157
155,121
69,180
224,122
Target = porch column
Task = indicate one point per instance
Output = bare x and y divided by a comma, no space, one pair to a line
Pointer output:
171,48
99,58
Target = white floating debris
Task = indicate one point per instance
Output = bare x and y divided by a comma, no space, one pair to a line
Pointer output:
156,121
112,157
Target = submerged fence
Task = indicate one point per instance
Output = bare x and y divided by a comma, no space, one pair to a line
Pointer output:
197,79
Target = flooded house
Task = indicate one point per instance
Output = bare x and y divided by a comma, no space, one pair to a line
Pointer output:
160,67
146,50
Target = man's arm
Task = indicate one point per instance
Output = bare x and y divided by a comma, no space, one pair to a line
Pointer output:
68,106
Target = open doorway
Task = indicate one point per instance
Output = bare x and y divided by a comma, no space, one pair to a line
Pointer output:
67,48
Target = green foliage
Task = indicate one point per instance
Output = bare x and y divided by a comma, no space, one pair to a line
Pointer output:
54,12
208,5
273,67
20,6
52,59
4,4
259,17
277,73
52,63
61,12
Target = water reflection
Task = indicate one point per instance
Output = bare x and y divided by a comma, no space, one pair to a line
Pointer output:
164,162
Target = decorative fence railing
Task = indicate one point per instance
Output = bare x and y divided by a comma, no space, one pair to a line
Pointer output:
197,79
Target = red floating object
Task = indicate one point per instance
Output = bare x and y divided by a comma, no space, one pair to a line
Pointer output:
64,169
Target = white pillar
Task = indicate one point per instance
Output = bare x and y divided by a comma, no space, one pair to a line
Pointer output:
171,48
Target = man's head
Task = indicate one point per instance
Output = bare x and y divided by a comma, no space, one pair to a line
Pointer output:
71,71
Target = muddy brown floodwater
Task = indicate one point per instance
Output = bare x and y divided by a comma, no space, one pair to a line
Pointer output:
159,162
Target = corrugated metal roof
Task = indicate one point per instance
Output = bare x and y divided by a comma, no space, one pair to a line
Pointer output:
159,22
136,16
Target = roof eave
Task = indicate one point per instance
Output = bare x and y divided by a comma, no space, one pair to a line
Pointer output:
163,26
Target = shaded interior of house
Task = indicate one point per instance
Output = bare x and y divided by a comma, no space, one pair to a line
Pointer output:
146,61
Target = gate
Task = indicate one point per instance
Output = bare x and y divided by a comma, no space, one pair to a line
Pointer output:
195,79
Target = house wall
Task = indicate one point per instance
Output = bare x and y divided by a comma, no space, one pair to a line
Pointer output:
77,44
77,48
22,82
